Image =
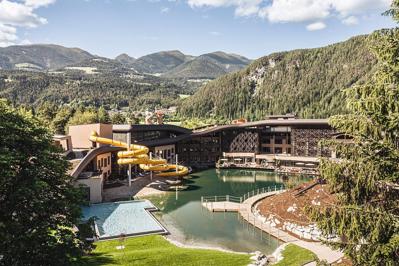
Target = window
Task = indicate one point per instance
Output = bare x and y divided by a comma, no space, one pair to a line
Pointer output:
266,150
278,150
102,162
266,140
109,160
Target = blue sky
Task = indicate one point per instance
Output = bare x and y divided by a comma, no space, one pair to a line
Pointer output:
252,28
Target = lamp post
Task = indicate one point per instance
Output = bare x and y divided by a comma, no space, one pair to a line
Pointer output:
129,171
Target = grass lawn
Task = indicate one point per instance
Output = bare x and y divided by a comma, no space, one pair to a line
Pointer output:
155,250
295,256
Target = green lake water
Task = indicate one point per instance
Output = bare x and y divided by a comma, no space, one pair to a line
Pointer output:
191,224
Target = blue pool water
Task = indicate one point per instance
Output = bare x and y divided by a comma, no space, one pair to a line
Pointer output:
123,218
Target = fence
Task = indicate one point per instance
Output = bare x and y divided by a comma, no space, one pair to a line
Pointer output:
258,191
241,199
227,198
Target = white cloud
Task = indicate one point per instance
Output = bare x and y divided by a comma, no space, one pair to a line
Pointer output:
296,10
352,20
14,14
38,3
242,7
165,10
348,7
284,11
8,35
18,14
316,26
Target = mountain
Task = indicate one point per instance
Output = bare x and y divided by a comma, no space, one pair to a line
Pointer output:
210,65
171,64
307,82
40,56
159,62
125,59
98,65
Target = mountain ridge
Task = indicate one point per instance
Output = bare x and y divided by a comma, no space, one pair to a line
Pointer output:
51,57
307,82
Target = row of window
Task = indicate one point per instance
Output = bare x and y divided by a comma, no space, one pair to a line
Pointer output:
194,149
103,162
166,154
276,150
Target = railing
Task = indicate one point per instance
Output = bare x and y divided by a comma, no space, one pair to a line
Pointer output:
227,198
246,196
258,191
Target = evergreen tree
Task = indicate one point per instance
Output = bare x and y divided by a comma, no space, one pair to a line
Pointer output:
366,178
88,116
39,205
118,119
46,112
103,116
61,119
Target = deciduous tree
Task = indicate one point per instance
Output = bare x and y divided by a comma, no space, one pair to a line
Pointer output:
39,207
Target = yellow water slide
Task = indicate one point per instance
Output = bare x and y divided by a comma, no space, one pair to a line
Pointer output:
138,155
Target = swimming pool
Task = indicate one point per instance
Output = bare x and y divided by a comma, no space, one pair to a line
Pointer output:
129,218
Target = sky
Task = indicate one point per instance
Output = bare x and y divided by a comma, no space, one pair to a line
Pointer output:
252,28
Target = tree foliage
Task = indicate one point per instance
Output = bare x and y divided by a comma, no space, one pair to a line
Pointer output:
306,82
109,89
366,178
39,205
118,119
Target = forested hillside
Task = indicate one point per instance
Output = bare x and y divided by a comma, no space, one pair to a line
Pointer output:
307,82
40,56
210,65
109,90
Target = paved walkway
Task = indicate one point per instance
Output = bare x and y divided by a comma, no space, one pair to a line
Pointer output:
323,252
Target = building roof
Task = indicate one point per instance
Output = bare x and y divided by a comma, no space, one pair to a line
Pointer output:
140,127
90,156
60,137
268,122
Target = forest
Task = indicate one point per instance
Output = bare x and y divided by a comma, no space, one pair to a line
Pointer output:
306,82
110,90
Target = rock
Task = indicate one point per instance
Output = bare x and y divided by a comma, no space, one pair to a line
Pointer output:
307,235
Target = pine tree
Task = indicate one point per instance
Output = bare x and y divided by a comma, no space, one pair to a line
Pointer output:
366,176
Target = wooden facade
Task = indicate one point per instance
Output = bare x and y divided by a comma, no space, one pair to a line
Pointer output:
296,137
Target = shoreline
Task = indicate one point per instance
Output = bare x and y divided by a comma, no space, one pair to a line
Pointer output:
205,247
